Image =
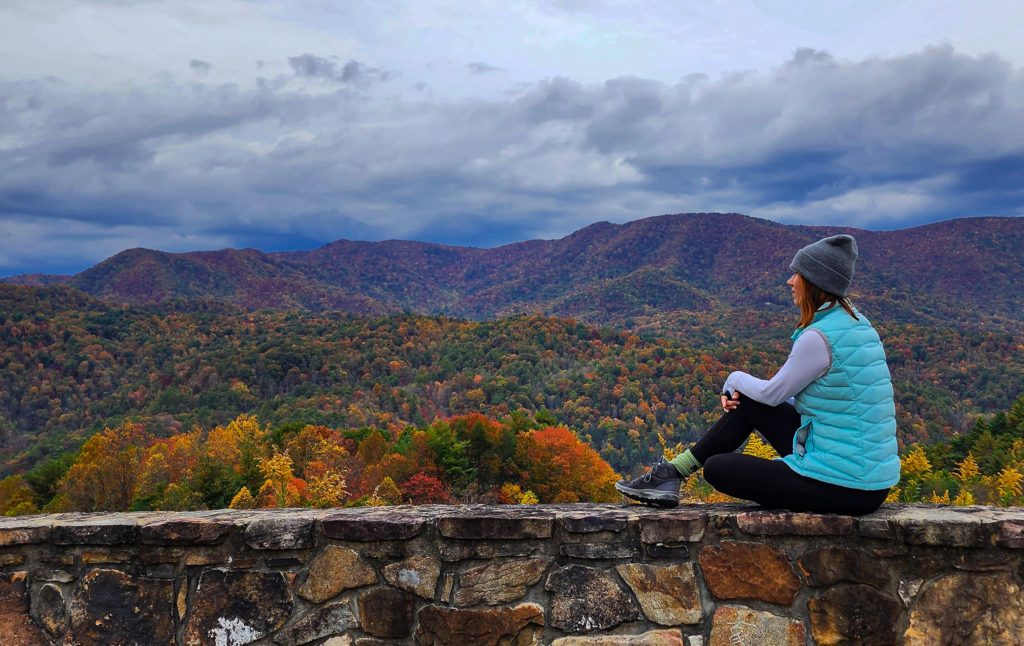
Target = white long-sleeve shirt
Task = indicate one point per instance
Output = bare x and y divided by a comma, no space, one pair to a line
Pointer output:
809,359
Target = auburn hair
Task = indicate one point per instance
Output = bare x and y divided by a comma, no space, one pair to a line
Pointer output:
813,297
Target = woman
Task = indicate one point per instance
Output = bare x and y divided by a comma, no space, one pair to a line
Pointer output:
837,438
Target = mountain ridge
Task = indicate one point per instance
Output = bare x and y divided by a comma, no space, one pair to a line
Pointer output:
605,273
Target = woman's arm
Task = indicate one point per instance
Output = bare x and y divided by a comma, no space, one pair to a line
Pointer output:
809,359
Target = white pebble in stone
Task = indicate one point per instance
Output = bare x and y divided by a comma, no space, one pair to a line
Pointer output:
909,589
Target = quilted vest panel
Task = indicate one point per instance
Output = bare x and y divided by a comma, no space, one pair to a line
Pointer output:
847,433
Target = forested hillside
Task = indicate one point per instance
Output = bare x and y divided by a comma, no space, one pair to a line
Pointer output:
73,366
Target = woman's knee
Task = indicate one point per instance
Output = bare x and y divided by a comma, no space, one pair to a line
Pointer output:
715,469
737,475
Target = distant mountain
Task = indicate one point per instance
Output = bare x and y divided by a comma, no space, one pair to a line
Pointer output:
605,273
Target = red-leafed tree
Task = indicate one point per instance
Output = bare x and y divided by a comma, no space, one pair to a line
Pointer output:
423,489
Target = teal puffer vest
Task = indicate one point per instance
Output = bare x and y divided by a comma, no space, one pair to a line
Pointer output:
847,433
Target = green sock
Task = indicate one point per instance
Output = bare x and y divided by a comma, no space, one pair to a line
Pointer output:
685,463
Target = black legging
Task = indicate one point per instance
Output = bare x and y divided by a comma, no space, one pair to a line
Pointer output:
771,483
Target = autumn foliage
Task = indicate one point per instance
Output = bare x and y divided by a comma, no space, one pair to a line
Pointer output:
246,465
563,469
71,366
983,467
184,406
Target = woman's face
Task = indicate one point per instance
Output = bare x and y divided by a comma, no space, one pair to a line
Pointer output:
796,286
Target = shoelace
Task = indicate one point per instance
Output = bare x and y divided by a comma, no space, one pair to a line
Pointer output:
647,476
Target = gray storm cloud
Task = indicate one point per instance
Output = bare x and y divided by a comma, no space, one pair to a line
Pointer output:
199,67
310,66
479,67
877,143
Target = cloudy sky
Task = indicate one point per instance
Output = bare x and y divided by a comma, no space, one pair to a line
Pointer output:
283,124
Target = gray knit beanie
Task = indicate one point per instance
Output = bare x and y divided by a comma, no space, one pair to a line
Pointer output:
828,263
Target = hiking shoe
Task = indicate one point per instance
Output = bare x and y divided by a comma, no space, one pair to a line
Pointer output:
658,487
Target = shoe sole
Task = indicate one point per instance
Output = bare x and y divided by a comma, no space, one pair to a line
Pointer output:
662,499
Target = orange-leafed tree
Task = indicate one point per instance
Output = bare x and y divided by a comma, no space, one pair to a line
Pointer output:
399,467
166,462
372,448
296,493
558,467
268,496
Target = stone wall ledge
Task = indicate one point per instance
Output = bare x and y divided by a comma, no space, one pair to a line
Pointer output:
571,575
278,529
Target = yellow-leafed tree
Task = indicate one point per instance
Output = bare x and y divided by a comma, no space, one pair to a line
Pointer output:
967,470
277,470
386,493
243,500
104,475
327,490
16,497
915,463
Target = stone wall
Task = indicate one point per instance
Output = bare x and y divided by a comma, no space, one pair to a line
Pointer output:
724,575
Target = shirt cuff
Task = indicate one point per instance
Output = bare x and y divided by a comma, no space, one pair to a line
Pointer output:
730,383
